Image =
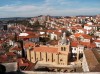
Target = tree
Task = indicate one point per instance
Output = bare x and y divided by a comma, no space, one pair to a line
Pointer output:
68,33
6,46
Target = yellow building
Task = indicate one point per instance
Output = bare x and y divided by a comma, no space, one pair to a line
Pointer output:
57,55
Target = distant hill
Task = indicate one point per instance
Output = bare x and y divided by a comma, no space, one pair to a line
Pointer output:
14,18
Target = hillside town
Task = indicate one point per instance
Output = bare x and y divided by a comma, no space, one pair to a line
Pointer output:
51,44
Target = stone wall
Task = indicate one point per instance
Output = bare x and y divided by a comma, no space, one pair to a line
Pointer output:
10,66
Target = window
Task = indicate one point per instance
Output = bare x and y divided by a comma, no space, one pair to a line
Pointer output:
64,48
61,60
74,48
61,48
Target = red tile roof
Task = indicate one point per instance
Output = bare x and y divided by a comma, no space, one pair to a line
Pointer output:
10,54
21,62
96,40
57,33
30,35
86,36
3,58
74,44
88,44
16,48
46,49
29,44
78,34
54,31
85,43
83,35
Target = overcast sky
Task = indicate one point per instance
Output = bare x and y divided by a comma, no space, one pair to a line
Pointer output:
30,8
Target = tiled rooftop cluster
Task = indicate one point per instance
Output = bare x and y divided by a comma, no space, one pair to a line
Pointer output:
81,33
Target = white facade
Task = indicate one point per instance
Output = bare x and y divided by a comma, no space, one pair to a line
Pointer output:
74,49
53,36
97,33
11,42
19,52
87,27
97,44
77,49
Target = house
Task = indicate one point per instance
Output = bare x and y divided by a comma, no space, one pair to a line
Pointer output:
97,42
77,49
88,26
17,50
83,37
54,34
97,33
31,36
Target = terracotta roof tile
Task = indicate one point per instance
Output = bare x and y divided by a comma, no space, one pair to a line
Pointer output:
29,44
86,36
46,49
10,54
74,44
21,62
96,40
83,35
3,58
16,48
30,35
86,25
88,44
85,43
58,33
78,34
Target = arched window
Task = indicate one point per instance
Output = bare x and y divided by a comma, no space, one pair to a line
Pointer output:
64,48
61,60
61,48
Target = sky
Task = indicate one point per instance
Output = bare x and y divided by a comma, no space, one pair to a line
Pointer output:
31,8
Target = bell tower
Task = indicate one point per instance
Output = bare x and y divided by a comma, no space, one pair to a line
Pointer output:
63,44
